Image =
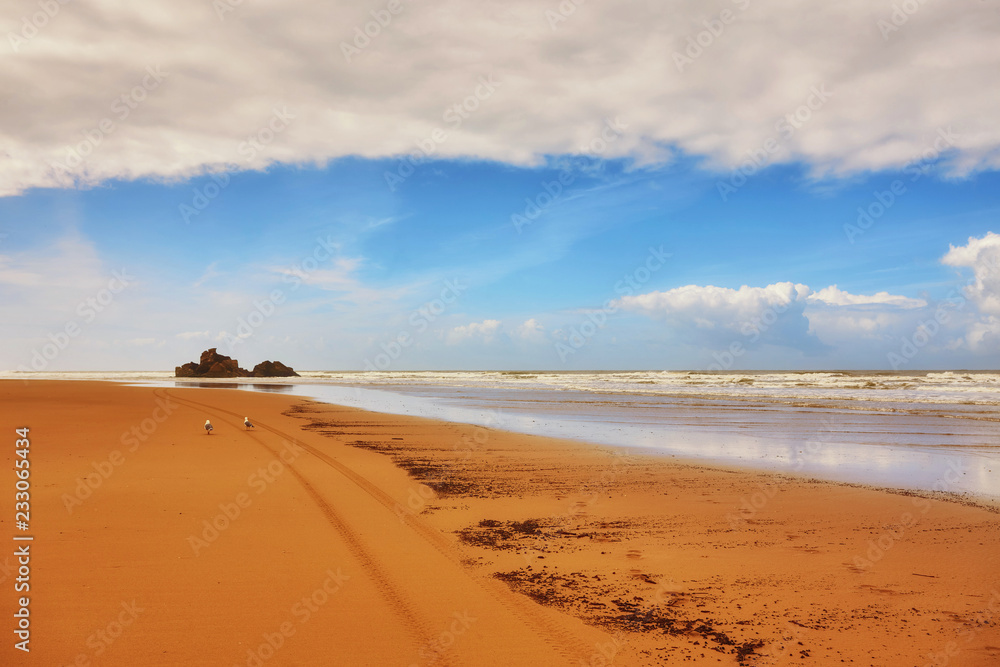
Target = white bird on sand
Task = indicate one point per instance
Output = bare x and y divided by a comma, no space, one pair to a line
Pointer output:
246,422
208,427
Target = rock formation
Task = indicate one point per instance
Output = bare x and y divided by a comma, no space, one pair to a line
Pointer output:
215,365
273,369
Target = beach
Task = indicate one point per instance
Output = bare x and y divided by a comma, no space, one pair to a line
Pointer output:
331,535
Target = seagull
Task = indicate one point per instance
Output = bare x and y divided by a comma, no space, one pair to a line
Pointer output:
208,427
246,422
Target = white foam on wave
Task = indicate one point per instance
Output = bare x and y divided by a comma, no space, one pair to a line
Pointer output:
933,387
939,387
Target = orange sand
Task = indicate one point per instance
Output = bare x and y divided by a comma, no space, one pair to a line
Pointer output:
496,549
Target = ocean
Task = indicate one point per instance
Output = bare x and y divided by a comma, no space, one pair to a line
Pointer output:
927,431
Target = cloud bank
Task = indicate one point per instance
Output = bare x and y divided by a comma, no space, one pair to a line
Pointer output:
168,90
835,321
716,315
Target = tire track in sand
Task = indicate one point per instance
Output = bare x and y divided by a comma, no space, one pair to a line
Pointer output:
567,644
372,565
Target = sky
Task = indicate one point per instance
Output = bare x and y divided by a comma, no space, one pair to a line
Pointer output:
400,185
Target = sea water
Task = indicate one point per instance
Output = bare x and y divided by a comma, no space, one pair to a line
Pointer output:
922,431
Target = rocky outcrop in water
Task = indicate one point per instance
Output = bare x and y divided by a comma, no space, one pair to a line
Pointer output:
273,369
215,365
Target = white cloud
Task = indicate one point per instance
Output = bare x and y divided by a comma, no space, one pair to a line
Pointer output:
836,297
709,307
719,316
141,342
10,274
530,331
220,81
784,314
982,255
846,324
843,320
983,334
484,331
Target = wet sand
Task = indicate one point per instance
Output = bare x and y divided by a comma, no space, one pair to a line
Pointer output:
328,535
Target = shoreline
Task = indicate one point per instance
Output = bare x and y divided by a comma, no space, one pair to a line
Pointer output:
909,450
435,542
786,447
984,501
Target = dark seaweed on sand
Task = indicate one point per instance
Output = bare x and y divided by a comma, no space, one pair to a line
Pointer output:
573,593
500,535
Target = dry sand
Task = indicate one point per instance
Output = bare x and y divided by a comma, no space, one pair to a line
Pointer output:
343,537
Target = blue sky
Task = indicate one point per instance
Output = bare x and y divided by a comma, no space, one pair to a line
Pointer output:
282,217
